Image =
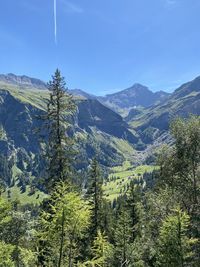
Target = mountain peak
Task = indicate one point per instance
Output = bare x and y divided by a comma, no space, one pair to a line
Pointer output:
134,96
135,88
138,85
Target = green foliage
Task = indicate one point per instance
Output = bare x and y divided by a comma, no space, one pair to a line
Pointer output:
187,154
123,234
180,167
17,236
102,249
95,198
102,252
175,246
5,208
63,225
6,251
27,258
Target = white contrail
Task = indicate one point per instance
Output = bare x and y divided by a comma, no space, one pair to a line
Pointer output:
55,21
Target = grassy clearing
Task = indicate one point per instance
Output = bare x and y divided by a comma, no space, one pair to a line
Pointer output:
14,193
36,98
123,147
121,176
15,171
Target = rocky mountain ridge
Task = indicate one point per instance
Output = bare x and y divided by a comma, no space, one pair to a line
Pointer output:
24,82
136,96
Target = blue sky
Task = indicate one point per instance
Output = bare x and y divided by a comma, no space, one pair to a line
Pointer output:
103,45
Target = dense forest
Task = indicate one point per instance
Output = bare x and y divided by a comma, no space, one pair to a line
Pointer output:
154,222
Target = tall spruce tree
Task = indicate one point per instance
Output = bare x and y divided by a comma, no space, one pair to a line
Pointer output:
123,235
95,197
60,108
133,198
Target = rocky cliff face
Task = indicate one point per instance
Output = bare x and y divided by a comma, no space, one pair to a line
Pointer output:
18,121
93,114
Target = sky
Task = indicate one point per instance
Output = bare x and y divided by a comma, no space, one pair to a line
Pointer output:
102,46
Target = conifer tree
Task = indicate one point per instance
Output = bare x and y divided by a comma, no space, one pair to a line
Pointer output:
62,226
102,252
95,197
133,198
123,235
59,148
175,245
60,108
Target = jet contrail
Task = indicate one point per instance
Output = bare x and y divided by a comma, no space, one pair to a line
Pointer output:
55,22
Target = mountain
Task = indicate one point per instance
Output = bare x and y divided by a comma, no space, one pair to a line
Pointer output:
99,131
121,102
188,88
92,113
136,96
23,82
154,121
134,112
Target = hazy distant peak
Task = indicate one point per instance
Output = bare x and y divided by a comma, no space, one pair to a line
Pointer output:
135,88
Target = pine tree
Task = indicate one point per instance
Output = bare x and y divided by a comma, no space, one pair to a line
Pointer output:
102,252
95,197
133,198
60,109
123,234
59,148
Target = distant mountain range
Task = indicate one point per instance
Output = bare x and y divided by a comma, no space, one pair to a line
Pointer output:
98,127
123,101
136,96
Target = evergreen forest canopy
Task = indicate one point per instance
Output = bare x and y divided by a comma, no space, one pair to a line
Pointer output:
154,221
